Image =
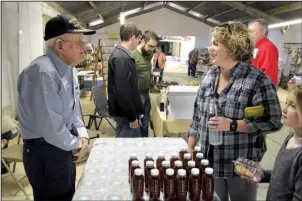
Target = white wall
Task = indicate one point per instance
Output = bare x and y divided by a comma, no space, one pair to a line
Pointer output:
22,29
293,35
166,23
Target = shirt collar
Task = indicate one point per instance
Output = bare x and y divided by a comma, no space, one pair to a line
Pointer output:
261,41
239,69
125,50
60,65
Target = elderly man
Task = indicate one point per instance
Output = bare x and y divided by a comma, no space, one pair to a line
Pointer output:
48,110
143,56
266,53
124,100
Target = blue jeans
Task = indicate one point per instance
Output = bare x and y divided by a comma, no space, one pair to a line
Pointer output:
123,130
146,119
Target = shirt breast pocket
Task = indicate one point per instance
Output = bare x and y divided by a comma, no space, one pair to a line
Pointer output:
236,102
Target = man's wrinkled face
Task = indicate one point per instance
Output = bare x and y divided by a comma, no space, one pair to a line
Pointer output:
257,32
72,48
149,47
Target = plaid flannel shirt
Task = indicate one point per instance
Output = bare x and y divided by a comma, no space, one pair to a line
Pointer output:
248,87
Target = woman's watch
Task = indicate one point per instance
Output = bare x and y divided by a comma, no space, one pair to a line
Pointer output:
233,125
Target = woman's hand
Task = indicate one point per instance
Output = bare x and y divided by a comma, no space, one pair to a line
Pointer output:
219,124
190,150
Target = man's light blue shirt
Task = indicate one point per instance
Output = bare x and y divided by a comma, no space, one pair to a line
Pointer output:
48,102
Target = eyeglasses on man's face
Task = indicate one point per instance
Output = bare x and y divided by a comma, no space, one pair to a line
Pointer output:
81,43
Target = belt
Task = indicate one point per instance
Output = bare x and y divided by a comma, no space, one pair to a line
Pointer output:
73,131
34,141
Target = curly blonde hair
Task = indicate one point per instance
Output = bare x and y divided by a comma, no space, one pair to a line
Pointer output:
235,37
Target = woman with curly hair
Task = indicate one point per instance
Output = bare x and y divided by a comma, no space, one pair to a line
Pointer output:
237,87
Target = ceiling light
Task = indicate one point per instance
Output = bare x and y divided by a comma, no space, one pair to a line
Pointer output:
130,12
281,24
177,6
122,18
96,22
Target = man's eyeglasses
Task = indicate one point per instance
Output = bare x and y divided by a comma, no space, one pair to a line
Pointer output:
82,43
226,25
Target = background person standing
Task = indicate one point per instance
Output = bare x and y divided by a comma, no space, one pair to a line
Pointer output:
266,54
143,56
159,62
124,100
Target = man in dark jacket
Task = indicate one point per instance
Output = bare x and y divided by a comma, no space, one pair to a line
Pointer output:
124,100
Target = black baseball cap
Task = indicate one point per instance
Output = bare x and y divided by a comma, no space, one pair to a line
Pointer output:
62,24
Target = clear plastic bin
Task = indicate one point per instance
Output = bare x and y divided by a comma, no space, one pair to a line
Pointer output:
248,168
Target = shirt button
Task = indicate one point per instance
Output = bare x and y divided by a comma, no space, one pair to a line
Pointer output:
27,150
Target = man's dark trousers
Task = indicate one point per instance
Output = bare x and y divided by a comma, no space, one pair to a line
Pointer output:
144,127
50,170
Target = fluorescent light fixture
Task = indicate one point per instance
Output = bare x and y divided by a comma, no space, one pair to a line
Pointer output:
96,22
130,12
282,24
213,21
153,5
177,6
195,14
122,18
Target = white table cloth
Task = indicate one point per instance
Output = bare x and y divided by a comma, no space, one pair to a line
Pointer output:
105,176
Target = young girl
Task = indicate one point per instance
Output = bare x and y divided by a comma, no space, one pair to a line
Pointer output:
285,180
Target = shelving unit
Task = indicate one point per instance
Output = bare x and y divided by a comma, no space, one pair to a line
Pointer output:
107,46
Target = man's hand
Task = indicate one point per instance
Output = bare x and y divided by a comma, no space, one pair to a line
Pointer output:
83,148
219,124
133,124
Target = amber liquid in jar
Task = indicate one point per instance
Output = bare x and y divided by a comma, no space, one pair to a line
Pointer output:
138,185
165,166
169,185
194,185
148,168
191,165
181,185
134,165
208,185
132,158
173,158
154,185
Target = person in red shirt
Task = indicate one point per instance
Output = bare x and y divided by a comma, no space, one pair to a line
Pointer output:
265,53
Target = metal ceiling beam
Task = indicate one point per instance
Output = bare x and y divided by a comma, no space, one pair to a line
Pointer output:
115,19
252,11
58,8
94,7
61,10
144,5
277,11
196,6
191,16
86,15
225,10
285,9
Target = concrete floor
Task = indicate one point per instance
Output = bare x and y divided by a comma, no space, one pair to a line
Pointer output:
10,190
